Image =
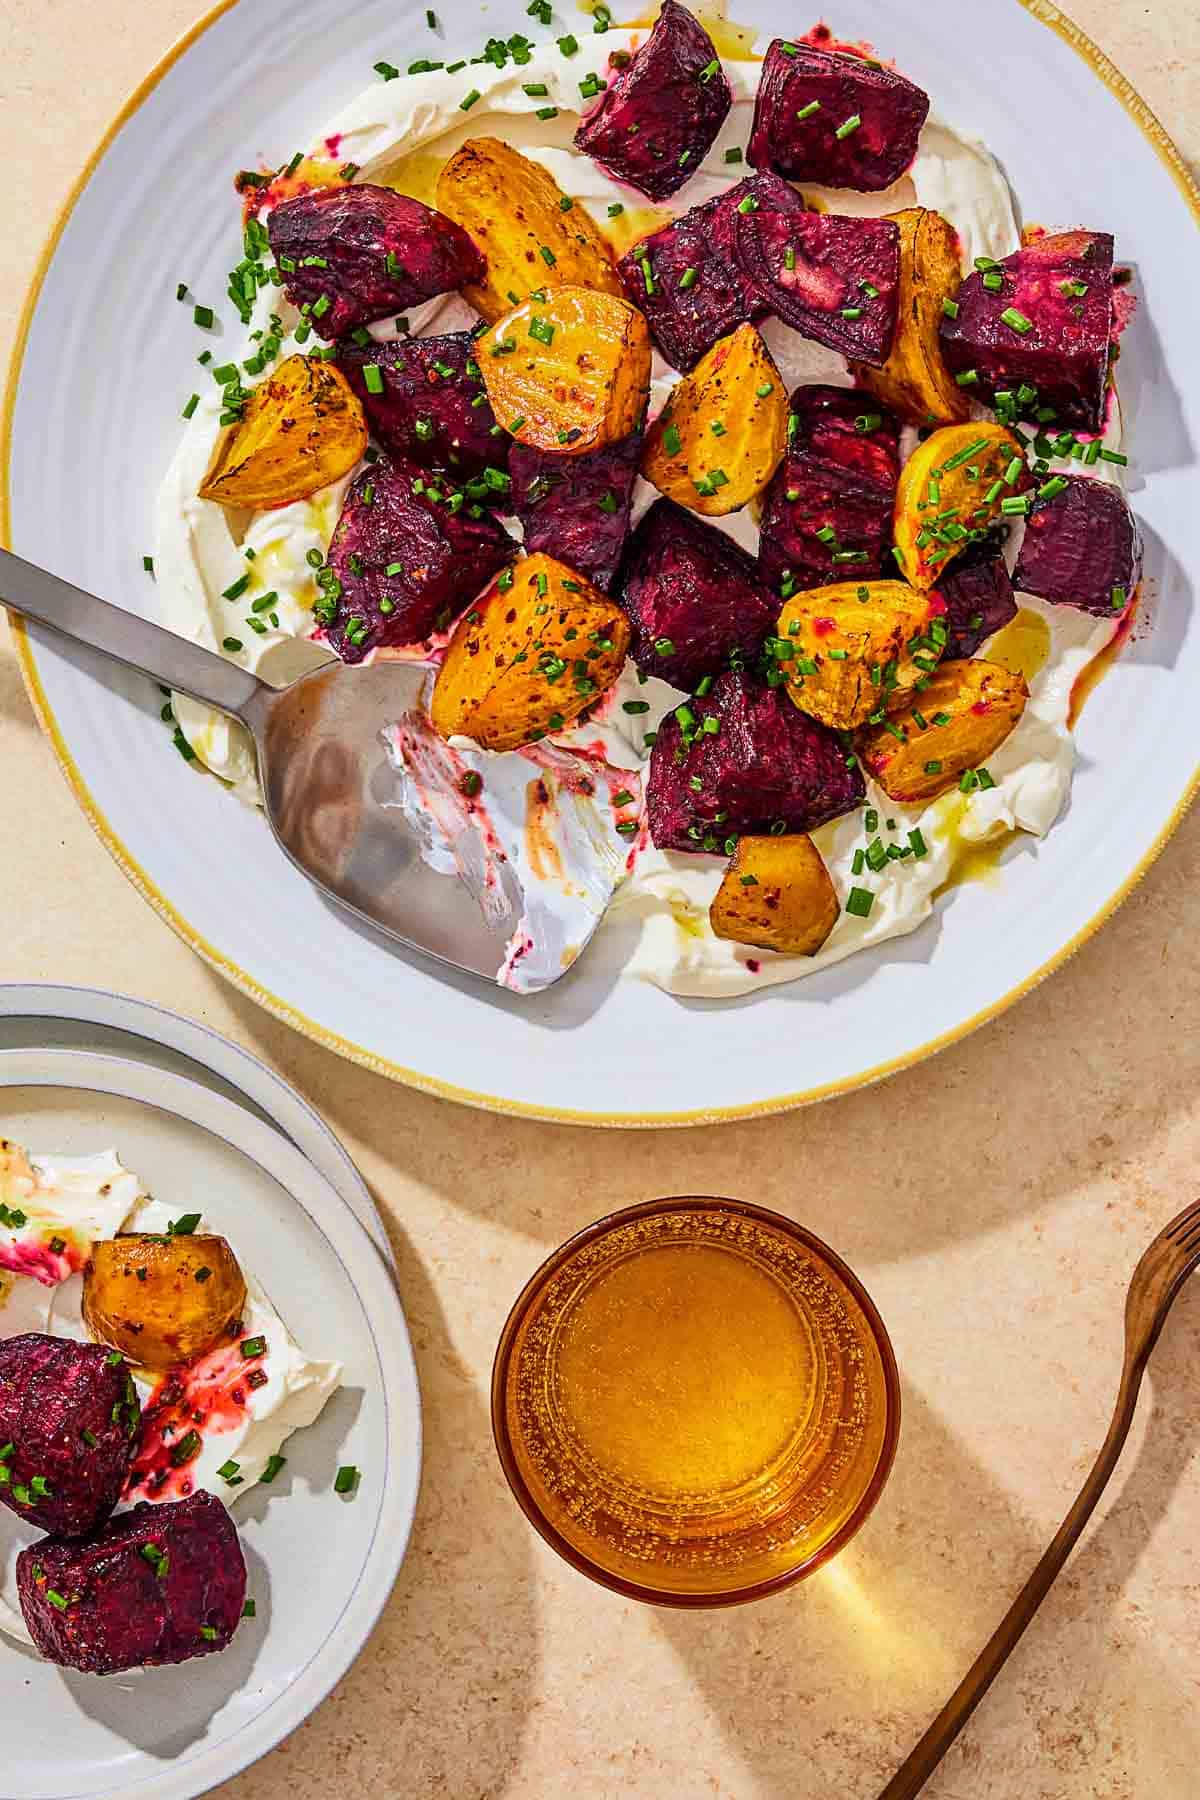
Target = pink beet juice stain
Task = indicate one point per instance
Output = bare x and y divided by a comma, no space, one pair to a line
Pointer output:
203,1399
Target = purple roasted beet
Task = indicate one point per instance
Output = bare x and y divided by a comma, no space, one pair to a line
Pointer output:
767,766
1057,293
157,1584
804,118
687,321
576,508
1082,548
658,117
353,254
828,510
688,586
406,563
432,406
70,1413
835,280
979,600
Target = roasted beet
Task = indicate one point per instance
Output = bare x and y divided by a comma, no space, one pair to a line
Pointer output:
828,510
835,280
158,1584
426,401
1041,320
656,121
688,320
1082,548
978,593
69,1418
831,117
352,254
406,558
692,595
767,767
576,508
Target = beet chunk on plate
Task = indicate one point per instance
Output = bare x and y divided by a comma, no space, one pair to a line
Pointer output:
767,766
70,1413
692,595
835,280
828,510
576,508
423,400
362,252
830,117
1082,548
158,1584
978,593
658,118
686,321
1045,322
406,563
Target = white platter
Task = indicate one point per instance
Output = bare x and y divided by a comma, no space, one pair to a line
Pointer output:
169,1734
100,376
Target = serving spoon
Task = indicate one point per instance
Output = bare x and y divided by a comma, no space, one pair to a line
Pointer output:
326,779
1164,1267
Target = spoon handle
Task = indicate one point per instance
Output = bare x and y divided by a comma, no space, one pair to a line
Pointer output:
36,594
924,1758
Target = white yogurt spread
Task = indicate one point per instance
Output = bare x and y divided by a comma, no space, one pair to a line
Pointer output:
559,895
292,1398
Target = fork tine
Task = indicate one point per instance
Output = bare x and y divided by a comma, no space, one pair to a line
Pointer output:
1185,1224
1190,1239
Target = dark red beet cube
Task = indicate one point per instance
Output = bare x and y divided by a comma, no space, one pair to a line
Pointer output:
71,1415
767,766
426,401
828,510
576,508
1082,548
831,117
835,280
978,593
658,118
158,1584
1045,322
407,558
353,254
687,321
693,596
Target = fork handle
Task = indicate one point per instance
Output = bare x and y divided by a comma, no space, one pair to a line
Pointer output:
924,1758
36,594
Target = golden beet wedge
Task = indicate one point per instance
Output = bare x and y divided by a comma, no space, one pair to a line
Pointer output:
857,648
954,483
955,724
540,646
777,895
532,234
569,372
302,428
722,433
162,1301
914,381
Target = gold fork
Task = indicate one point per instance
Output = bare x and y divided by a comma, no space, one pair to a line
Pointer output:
1164,1267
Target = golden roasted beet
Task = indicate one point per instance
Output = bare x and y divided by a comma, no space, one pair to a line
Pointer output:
569,372
540,646
302,428
857,648
777,895
914,381
966,712
162,1300
951,489
513,208
721,435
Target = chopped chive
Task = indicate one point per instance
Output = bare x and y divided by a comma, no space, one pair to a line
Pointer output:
252,1347
733,155
191,406
1114,456
1016,321
346,1479
535,89
386,71
546,112
950,308
468,100
851,125
373,378
568,45
806,112
274,1464
859,902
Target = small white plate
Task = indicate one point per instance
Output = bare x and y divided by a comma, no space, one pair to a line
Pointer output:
169,1734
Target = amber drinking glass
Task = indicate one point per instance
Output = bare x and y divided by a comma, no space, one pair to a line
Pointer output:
695,1402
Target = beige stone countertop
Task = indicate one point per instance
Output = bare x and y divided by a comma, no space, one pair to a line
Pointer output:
1051,1145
